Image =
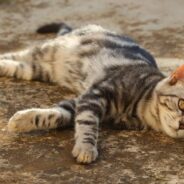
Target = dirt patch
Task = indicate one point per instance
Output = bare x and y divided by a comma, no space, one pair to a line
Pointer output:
125,157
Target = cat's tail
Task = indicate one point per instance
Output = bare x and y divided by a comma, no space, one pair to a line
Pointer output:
59,28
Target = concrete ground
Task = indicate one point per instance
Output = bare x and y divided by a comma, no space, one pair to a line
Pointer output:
125,157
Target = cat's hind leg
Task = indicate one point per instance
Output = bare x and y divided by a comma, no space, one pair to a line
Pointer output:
20,70
35,63
43,119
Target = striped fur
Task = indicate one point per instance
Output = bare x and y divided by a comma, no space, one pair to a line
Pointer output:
113,78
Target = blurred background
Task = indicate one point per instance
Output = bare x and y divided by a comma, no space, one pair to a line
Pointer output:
157,24
125,157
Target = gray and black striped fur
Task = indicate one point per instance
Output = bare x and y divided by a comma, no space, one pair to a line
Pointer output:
113,77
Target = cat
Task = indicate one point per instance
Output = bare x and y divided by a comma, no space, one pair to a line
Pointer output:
114,79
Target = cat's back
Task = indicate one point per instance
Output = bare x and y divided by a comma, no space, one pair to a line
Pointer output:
84,54
93,41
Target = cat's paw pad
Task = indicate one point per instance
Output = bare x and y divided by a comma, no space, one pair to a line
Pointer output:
85,153
19,122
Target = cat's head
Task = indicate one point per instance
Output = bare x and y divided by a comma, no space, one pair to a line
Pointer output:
170,95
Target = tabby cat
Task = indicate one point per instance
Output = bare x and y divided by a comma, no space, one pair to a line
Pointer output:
114,79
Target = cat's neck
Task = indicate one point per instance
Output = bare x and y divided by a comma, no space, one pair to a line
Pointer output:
148,110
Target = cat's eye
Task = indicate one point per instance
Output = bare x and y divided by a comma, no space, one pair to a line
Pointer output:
181,104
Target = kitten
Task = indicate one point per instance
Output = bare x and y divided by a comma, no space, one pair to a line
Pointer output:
114,79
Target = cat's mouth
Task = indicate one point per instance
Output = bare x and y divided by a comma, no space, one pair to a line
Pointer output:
181,125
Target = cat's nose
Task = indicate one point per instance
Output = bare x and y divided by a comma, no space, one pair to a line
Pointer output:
181,124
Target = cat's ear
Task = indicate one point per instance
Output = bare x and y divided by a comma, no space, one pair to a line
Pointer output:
177,75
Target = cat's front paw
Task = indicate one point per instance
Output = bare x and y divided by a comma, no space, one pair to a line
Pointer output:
85,153
19,122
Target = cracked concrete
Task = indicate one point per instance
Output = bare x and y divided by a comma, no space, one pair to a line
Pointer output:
125,156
